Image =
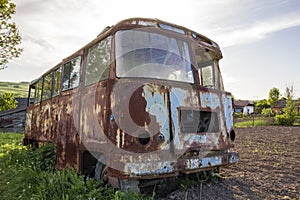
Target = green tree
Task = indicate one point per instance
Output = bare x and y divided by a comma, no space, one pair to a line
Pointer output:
260,105
291,107
7,102
290,111
9,34
267,112
274,95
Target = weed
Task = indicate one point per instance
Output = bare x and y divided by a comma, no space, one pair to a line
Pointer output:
30,174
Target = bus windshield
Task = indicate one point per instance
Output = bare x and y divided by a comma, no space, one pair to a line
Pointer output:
152,55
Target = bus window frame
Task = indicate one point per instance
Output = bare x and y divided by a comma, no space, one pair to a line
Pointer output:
85,81
212,64
54,78
79,73
43,88
164,32
36,89
31,94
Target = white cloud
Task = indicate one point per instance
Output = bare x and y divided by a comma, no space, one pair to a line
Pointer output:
228,79
250,33
54,29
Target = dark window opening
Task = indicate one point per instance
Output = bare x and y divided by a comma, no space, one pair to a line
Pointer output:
195,121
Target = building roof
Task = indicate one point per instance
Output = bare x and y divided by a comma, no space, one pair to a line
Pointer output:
279,104
243,103
15,110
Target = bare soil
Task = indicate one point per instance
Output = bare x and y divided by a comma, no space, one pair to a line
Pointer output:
268,168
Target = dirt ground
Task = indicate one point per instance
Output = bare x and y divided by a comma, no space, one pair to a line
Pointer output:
268,168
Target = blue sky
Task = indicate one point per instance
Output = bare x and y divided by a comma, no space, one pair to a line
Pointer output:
259,38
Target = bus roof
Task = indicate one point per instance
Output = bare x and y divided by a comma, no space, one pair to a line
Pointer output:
139,23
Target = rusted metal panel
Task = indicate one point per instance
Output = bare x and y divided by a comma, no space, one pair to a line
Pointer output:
150,100
139,128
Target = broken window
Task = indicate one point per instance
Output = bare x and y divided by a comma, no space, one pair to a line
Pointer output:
196,121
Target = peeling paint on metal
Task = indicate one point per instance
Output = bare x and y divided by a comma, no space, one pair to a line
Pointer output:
151,168
193,163
118,138
111,114
193,138
157,106
209,100
228,111
211,161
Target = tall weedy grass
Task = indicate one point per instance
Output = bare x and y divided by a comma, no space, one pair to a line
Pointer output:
31,174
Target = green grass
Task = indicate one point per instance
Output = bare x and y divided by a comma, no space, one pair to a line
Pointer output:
19,89
9,142
30,174
248,123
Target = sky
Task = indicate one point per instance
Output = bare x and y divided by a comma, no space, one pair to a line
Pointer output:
259,39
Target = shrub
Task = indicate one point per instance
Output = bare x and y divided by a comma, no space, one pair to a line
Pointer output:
238,115
44,158
290,111
267,112
31,174
285,119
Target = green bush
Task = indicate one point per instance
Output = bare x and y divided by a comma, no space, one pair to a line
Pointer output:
285,119
267,112
238,115
30,174
44,158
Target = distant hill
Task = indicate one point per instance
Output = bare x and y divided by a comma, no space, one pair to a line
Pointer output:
19,89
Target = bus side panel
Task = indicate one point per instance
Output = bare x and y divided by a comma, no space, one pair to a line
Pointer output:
32,127
93,124
66,138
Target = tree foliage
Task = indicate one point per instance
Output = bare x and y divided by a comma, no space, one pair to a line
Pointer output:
274,95
267,112
290,111
9,34
261,105
7,102
291,107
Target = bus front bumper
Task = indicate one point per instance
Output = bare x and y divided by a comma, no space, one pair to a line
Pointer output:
181,165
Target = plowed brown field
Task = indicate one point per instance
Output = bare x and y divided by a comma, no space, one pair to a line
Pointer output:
268,168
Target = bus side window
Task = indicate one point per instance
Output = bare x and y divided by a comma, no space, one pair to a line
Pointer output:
47,87
56,82
71,73
38,91
31,94
98,61
206,73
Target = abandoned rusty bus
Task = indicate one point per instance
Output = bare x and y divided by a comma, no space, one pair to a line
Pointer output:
144,101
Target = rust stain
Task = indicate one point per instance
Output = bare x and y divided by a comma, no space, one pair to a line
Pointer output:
136,127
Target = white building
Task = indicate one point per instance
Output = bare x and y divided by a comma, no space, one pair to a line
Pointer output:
243,106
